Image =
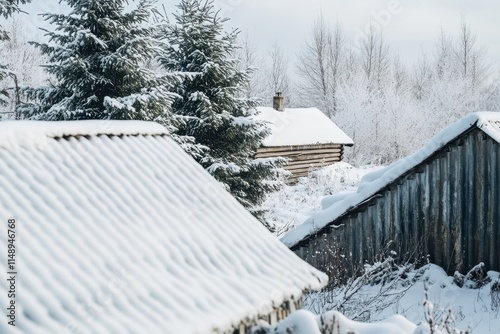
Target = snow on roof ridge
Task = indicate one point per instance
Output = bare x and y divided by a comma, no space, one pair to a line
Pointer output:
487,121
35,133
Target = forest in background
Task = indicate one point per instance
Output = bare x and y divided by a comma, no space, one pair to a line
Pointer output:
389,108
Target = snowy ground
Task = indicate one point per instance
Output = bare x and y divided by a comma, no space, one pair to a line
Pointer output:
294,204
476,310
304,322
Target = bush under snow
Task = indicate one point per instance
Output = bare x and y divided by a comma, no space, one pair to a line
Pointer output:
425,296
425,301
305,322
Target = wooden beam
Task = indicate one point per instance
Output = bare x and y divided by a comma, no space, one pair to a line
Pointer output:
291,154
297,148
313,161
318,157
310,165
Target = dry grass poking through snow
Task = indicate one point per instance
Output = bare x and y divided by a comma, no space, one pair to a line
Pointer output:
293,204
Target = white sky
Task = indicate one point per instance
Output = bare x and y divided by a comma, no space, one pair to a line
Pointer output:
411,29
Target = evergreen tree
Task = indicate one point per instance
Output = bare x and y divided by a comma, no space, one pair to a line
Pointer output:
7,9
96,56
212,105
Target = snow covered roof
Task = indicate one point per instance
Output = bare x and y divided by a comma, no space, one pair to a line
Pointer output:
119,231
372,183
301,126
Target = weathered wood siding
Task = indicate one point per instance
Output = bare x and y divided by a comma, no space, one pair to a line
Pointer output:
303,158
278,314
447,207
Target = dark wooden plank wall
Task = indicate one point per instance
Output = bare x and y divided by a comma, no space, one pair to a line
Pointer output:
447,207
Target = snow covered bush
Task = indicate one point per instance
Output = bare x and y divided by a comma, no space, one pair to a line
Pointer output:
433,320
475,278
304,322
426,296
333,322
360,297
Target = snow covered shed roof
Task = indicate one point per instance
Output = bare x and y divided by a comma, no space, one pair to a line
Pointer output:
373,183
119,231
301,126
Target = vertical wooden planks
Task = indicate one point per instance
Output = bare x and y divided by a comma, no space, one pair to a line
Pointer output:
469,199
456,199
445,209
495,201
449,204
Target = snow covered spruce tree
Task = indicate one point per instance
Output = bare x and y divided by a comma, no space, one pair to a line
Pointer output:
212,104
96,59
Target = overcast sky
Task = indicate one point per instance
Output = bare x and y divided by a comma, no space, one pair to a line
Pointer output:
410,26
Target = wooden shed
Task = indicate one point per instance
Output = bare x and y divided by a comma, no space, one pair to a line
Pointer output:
120,231
444,201
305,136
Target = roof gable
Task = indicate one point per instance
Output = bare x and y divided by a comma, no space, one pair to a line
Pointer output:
301,126
371,184
120,231
489,122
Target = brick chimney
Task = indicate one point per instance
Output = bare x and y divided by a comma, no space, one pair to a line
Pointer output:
278,102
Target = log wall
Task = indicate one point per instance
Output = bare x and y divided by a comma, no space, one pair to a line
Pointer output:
447,207
304,158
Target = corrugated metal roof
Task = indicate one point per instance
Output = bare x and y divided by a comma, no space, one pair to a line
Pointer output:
119,231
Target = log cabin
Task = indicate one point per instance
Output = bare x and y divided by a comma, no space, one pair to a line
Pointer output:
120,231
305,136
442,201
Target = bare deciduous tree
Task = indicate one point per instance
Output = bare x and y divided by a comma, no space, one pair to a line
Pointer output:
278,79
313,62
22,62
321,66
248,58
421,75
443,54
